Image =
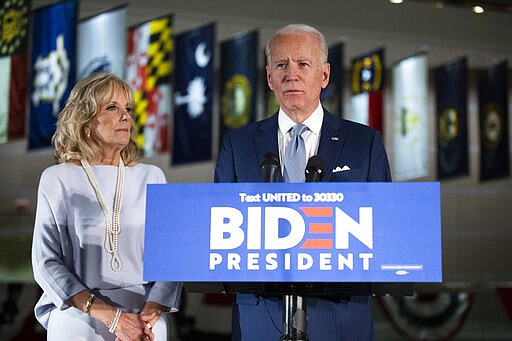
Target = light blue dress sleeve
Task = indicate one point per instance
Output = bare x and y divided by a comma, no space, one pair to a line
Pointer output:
50,245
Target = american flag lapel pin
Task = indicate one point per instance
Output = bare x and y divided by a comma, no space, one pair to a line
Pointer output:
335,138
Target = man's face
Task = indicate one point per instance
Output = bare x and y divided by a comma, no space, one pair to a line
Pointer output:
296,73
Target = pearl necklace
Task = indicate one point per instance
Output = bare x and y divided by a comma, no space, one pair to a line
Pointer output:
112,224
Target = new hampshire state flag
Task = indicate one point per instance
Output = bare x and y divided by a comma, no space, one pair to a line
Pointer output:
52,68
451,88
193,93
238,73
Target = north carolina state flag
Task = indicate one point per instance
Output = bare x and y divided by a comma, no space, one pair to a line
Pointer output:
366,83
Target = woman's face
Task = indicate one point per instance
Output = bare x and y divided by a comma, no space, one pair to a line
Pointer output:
112,124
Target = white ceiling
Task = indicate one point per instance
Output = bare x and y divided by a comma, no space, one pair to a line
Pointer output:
403,30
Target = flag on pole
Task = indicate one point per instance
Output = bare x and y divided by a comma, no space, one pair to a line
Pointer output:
52,68
238,79
97,51
332,96
493,117
149,70
14,28
451,89
366,84
193,93
410,108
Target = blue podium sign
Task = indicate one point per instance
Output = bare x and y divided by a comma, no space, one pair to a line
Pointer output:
286,232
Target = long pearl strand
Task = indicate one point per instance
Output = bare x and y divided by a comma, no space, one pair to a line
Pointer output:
113,226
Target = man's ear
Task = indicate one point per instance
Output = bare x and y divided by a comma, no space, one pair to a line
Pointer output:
326,73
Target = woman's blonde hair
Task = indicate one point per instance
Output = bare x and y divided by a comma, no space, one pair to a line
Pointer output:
71,140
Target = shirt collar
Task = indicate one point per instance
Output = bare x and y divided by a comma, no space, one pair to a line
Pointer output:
313,122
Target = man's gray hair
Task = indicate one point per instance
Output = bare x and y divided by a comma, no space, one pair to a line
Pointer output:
299,28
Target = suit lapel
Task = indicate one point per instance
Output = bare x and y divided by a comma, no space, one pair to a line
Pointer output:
331,143
266,140
329,148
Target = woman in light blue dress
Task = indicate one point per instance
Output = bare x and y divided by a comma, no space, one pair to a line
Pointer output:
87,252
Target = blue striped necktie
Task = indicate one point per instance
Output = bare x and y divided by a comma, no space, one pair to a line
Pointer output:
295,156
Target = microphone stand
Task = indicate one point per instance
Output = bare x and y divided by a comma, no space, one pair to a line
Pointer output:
295,317
294,312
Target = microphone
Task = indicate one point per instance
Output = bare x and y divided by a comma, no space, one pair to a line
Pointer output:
269,167
315,169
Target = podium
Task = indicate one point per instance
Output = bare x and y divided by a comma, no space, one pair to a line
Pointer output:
304,288
294,239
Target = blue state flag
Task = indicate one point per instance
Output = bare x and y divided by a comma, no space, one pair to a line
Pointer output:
52,72
451,82
238,79
332,96
493,117
193,93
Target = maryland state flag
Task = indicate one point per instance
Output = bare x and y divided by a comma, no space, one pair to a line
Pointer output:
451,88
149,71
97,51
14,28
332,96
238,79
52,68
366,82
493,117
193,94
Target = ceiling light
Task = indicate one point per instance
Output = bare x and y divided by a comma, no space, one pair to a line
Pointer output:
478,9
396,1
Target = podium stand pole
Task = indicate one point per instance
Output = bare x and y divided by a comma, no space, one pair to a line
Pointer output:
295,319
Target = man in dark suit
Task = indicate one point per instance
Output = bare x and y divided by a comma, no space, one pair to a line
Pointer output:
297,70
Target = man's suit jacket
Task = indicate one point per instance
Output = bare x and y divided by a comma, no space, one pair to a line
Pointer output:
352,152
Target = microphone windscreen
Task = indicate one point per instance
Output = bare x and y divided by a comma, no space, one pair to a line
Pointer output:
269,167
270,159
315,162
315,169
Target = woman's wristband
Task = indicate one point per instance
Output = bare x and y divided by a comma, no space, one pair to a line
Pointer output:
89,303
